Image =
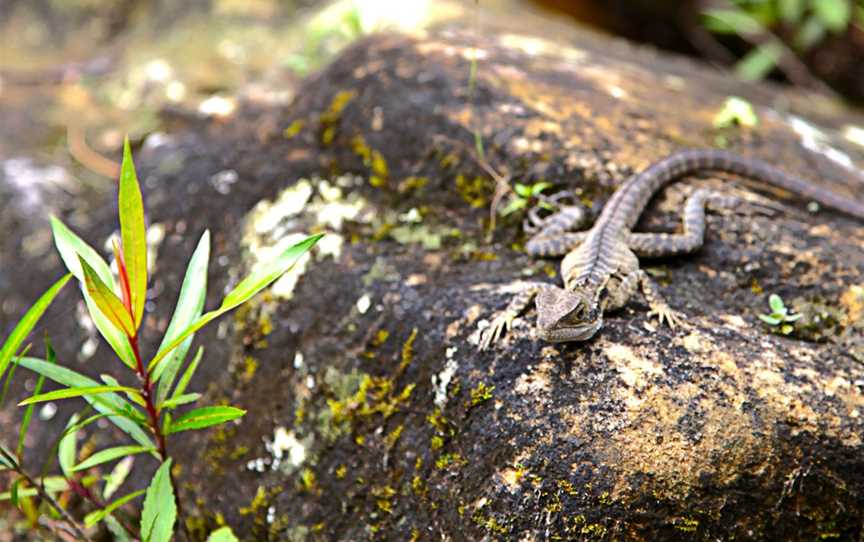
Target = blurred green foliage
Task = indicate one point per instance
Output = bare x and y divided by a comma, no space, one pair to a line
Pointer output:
781,27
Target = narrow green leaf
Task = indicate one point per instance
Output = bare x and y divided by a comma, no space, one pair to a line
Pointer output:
188,373
110,454
28,412
114,336
96,516
793,317
134,233
13,491
731,21
28,321
4,462
834,14
759,62
160,510
71,247
179,400
248,287
200,418
190,305
11,375
134,395
808,34
107,301
769,319
67,393
120,412
118,475
223,534
67,449
538,188
53,484
265,274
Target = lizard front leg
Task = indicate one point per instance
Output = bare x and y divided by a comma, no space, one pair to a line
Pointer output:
659,307
502,322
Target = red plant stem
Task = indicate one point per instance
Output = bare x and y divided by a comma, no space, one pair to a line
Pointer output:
147,394
150,406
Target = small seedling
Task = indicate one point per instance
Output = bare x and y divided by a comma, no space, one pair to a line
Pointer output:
525,194
735,112
779,320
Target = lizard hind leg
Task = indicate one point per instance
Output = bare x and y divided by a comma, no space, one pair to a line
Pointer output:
656,245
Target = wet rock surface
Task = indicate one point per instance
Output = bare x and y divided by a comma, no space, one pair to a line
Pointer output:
372,415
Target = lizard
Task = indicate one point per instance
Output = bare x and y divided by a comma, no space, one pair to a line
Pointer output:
600,266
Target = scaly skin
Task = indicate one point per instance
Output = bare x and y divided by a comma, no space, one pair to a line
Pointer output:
600,268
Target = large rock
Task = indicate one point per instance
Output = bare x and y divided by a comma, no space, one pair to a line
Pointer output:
371,413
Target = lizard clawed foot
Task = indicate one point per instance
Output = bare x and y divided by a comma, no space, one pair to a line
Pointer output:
666,315
500,325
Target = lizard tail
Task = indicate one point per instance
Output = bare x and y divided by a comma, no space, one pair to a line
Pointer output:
762,171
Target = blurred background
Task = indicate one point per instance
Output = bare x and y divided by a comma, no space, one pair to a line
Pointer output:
75,75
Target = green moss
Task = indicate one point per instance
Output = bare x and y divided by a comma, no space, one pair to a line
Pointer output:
407,352
687,525
259,502
374,396
476,191
567,488
594,529
308,480
489,523
380,338
412,183
372,159
293,129
331,116
393,437
418,486
481,393
449,460
247,373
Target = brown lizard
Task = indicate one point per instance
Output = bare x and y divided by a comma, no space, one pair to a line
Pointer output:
600,268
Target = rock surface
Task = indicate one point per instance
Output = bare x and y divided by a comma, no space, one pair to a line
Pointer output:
372,415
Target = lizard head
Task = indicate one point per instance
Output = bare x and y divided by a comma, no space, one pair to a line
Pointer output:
564,315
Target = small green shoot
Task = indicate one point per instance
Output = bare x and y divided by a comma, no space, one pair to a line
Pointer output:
523,195
779,319
736,112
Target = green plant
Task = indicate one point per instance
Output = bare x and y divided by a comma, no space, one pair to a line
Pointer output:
145,411
781,30
779,319
523,194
